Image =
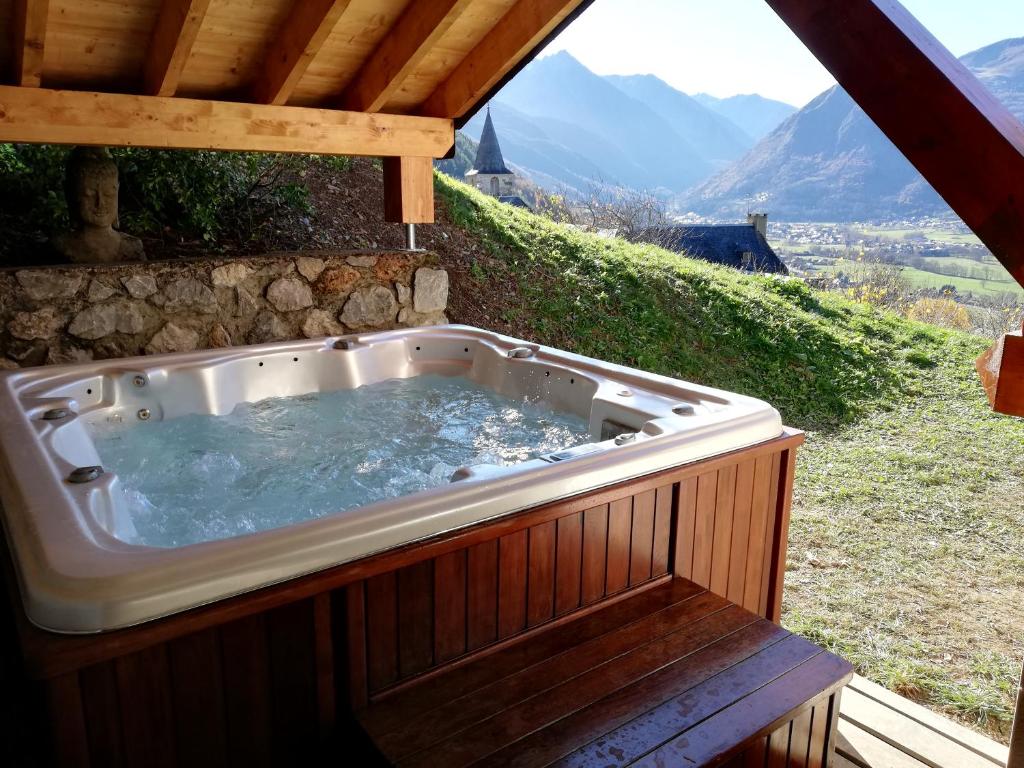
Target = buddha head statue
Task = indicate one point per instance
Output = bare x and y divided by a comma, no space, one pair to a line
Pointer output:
90,187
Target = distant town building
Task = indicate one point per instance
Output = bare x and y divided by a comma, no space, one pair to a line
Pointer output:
489,173
742,246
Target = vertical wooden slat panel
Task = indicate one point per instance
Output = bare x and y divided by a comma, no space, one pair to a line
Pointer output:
620,524
382,630
482,609
783,496
102,714
449,606
740,531
758,525
816,757
323,639
568,563
662,531
769,537
199,718
595,552
291,649
355,645
799,740
641,547
64,703
722,547
144,690
246,669
686,520
541,580
415,618
778,747
757,755
512,583
704,528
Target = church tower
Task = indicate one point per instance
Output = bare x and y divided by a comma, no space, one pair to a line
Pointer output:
489,173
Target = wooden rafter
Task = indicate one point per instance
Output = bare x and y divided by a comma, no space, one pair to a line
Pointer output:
308,26
421,25
517,33
958,135
173,36
43,116
29,30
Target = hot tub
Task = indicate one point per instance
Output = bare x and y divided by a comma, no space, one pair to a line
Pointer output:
83,566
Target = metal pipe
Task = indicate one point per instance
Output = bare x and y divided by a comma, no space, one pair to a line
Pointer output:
410,237
1016,759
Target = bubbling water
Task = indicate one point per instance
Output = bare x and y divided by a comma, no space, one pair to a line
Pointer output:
286,460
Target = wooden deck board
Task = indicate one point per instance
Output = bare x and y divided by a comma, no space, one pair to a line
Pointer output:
879,729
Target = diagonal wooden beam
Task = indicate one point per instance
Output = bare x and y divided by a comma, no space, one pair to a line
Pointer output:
304,32
175,32
29,29
955,132
44,116
420,26
516,34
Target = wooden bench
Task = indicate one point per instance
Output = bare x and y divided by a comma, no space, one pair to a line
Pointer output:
673,675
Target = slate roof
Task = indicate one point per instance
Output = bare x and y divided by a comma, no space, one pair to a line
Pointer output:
488,154
514,200
717,244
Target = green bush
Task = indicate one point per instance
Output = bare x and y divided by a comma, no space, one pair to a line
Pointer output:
197,195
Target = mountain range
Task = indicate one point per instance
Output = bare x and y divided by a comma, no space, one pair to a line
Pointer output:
570,128
829,162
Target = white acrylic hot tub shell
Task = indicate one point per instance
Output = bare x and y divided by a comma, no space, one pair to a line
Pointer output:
77,574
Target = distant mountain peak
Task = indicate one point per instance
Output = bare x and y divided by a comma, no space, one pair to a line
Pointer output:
829,162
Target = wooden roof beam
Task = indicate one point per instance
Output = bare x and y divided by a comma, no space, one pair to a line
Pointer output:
516,34
421,25
954,131
302,35
44,116
29,30
175,33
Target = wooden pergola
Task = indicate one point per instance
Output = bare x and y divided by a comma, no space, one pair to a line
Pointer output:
395,78
387,78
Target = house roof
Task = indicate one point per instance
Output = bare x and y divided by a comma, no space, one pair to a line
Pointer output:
724,245
488,153
515,201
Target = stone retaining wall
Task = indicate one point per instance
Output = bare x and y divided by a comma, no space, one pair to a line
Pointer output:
76,312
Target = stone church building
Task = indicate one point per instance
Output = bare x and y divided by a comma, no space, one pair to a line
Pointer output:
489,173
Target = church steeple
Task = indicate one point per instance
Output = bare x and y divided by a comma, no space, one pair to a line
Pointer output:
488,154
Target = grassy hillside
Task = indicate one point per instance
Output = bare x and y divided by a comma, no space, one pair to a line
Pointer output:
905,549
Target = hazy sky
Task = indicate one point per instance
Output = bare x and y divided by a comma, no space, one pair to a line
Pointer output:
725,47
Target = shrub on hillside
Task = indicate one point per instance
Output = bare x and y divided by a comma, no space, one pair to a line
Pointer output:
196,195
940,311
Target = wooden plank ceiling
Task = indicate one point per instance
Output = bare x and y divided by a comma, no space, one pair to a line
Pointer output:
242,74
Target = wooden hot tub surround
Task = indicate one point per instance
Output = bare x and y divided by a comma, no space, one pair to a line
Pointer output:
286,671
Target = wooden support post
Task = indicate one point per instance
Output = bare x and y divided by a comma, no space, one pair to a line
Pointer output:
956,133
1001,370
175,32
29,29
309,25
1016,758
409,190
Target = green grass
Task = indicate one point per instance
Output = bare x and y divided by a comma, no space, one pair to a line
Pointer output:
933,234
905,541
918,278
